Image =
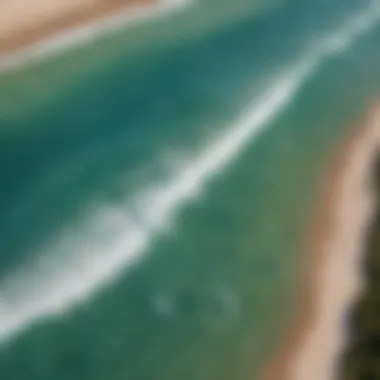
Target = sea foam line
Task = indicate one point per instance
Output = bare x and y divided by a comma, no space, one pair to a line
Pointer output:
88,32
114,240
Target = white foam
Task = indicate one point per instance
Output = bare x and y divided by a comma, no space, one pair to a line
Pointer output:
89,32
113,240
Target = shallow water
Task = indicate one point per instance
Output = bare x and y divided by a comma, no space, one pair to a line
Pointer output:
157,185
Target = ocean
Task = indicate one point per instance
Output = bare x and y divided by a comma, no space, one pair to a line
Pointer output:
157,187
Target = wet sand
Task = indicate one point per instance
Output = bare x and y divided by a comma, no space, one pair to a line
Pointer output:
24,22
26,38
332,280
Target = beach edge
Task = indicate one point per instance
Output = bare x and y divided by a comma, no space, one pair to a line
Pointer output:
87,32
307,352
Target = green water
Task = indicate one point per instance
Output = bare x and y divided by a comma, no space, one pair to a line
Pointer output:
91,142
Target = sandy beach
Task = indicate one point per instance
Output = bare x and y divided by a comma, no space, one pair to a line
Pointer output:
28,34
23,22
332,281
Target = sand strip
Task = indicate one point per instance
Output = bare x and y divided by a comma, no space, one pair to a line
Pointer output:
335,242
23,22
25,41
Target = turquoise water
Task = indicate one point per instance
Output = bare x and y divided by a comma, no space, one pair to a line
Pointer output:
156,188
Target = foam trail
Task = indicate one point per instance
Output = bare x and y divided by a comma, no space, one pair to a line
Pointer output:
88,32
113,240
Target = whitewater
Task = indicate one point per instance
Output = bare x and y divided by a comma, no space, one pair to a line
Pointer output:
112,240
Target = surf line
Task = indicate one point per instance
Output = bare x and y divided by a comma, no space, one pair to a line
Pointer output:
116,241
88,32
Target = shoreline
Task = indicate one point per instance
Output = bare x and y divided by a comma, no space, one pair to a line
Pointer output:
331,281
22,24
84,30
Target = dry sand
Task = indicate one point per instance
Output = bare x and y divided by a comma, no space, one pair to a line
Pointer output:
337,234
